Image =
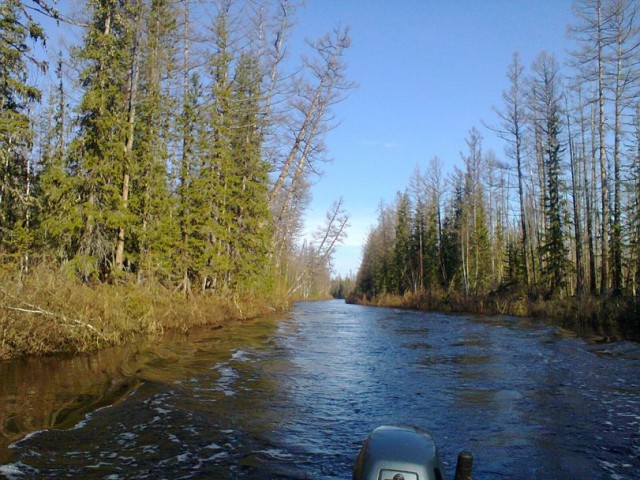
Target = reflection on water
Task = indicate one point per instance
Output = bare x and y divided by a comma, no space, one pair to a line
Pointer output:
37,393
293,398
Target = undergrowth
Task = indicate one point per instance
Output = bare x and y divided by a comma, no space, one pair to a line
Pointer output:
585,313
47,312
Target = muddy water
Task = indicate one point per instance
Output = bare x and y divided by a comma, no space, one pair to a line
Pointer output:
293,397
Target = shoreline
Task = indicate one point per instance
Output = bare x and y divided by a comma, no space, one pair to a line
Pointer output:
49,314
600,319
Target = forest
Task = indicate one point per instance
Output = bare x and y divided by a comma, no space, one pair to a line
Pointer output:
157,162
552,228
160,159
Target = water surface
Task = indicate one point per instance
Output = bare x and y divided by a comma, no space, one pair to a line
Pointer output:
293,397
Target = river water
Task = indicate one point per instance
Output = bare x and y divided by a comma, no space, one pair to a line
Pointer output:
293,397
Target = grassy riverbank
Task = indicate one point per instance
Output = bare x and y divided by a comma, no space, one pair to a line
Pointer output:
47,313
600,317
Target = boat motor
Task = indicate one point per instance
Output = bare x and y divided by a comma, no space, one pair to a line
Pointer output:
404,453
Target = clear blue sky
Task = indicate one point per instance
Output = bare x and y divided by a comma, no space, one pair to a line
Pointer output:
428,71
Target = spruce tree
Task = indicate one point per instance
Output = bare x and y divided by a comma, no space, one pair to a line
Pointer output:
155,231
251,231
100,145
431,247
59,226
191,197
547,114
216,174
452,248
554,250
17,28
402,245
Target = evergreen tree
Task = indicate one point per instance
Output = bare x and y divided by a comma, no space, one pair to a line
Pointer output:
547,114
375,276
103,127
451,238
474,237
59,226
16,132
481,249
155,230
250,229
402,246
185,126
224,209
431,247
515,271
216,164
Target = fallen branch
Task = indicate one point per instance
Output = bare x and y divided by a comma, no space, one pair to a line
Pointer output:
41,311
235,302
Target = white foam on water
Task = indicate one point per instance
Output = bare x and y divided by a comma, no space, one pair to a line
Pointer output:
183,457
83,423
150,449
607,465
240,355
217,456
228,377
25,438
12,471
277,453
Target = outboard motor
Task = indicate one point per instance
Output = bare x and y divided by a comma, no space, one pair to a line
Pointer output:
403,453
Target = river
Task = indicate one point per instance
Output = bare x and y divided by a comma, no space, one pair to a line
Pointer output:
293,397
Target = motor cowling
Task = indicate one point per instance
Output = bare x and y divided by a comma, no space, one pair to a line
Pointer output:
398,453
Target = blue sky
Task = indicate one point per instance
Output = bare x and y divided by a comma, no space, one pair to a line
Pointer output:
427,72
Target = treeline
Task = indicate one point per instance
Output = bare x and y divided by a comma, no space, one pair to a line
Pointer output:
175,145
560,215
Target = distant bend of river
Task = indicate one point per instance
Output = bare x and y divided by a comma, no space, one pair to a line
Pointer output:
293,397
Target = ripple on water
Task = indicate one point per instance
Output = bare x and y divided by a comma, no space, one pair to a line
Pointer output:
295,398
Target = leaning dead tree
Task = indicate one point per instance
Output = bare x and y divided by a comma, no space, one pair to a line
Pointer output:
309,119
332,233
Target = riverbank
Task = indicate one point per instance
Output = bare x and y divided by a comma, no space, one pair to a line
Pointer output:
48,313
601,318
294,396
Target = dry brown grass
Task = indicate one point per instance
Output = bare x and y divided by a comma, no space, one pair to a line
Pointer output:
50,313
587,312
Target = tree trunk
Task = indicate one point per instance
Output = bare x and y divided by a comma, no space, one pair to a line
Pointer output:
577,228
604,182
128,149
